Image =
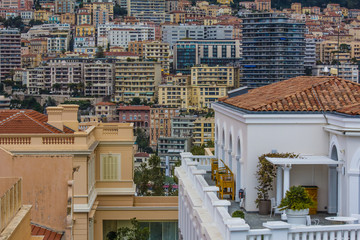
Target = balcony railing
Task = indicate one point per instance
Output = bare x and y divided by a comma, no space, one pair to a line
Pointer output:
10,200
202,215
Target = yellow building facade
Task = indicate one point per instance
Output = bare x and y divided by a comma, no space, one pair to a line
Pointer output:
42,15
137,79
78,175
85,30
204,86
204,131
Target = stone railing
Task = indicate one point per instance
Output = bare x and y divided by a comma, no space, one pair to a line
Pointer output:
203,216
10,200
15,140
203,160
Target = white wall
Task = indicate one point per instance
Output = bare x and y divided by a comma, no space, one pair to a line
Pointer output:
259,134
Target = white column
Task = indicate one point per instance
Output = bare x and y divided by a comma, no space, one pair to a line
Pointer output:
279,181
286,185
238,178
353,194
216,149
229,159
333,189
286,178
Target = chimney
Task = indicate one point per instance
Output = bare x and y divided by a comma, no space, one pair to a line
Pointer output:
55,117
70,116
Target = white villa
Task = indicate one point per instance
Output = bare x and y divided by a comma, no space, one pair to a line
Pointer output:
316,117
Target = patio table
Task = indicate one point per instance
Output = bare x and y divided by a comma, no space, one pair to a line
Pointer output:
347,220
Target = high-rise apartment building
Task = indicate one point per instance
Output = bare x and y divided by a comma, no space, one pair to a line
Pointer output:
188,53
204,131
160,124
98,78
147,10
273,49
136,79
152,50
173,33
64,6
10,51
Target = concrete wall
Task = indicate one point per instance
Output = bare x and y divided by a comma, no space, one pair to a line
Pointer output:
19,227
44,184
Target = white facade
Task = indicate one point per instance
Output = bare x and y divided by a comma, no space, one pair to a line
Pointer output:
57,44
122,37
144,31
173,33
346,71
241,138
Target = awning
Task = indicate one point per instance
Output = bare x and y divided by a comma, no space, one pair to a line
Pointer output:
304,160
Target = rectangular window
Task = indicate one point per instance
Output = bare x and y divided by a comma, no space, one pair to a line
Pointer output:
91,173
110,167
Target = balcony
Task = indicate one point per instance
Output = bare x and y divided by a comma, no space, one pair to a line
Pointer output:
10,200
202,215
78,141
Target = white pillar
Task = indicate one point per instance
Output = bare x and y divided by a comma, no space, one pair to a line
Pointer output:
279,183
286,179
353,194
286,185
229,159
216,149
333,189
238,178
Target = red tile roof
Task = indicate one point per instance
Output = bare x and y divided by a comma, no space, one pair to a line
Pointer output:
134,107
302,94
47,233
26,121
141,154
105,104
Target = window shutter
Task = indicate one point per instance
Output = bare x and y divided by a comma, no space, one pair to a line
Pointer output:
110,167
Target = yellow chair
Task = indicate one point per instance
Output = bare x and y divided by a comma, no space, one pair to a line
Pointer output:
214,168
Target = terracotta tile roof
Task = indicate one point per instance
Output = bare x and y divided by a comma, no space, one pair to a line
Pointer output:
130,54
47,233
302,94
134,107
26,121
141,154
106,104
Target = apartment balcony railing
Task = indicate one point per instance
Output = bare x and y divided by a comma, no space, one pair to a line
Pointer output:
202,215
10,200
81,140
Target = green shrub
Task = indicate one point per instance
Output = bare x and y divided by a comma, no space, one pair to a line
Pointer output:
296,199
238,214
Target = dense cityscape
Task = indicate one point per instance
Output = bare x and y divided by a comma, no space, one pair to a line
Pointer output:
177,119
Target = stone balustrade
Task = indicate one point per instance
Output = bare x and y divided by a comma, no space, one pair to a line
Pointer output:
203,216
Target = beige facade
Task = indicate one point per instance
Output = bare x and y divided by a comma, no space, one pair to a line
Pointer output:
328,51
76,176
211,83
136,79
175,91
160,123
98,78
152,50
204,131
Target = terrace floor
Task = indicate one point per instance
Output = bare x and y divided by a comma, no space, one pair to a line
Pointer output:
256,220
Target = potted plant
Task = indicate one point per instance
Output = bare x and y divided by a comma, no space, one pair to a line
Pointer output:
265,175
238,214
296,203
